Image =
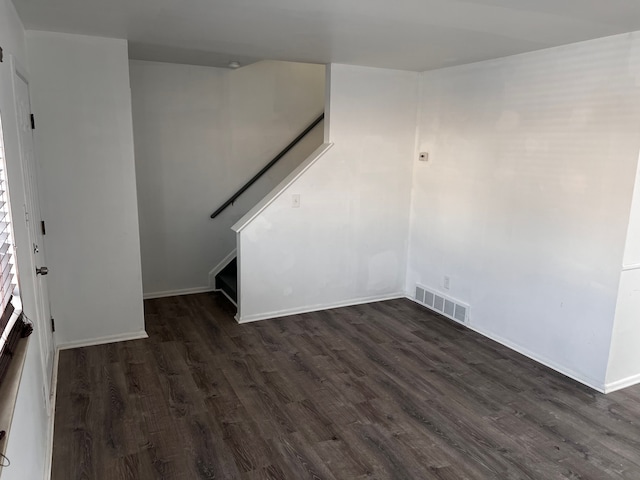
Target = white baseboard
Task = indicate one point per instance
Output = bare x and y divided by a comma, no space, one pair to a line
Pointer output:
316,308
218,268
620,384
567,372
175,293
122,337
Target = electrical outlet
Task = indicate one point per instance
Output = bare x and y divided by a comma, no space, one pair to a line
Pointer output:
447,282
295,200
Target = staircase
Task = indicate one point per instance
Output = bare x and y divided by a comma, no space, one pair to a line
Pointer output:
227,281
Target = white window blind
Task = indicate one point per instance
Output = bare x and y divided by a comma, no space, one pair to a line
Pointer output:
7,269
9,335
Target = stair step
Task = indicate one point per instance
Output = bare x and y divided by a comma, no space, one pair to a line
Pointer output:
227,280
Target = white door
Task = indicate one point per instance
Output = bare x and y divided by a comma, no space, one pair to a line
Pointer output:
42,314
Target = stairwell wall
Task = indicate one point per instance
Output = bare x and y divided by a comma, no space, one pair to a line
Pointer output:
200,134
347,241
623,369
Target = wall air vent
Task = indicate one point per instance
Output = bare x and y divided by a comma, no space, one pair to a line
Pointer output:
447,306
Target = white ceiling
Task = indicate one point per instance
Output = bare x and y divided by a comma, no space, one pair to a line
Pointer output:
403,34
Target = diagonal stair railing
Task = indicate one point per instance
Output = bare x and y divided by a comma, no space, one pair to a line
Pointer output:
264,170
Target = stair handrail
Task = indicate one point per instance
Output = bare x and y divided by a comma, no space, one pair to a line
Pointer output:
264,170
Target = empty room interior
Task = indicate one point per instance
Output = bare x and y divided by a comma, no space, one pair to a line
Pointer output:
329,240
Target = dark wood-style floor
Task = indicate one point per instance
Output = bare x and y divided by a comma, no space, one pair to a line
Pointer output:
385,391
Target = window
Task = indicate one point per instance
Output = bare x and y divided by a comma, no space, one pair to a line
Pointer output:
12,327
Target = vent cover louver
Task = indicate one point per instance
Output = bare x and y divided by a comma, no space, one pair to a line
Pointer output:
442,304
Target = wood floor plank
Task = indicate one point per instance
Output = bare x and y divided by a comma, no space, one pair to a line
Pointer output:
379,391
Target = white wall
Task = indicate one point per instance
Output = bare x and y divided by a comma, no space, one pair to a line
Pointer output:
348,240
526,197
200,134
30,424
84,140
624,357
11,32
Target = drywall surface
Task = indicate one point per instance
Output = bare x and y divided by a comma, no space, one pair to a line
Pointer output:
11,32
84,138
624,357
347,240
525,200
631,257
200,134
30,424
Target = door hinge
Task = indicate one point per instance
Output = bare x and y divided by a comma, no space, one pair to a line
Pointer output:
53,325
33,122
43,227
